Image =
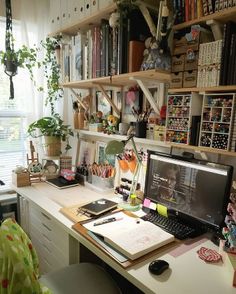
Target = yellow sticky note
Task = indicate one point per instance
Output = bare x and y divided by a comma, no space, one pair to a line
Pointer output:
162,210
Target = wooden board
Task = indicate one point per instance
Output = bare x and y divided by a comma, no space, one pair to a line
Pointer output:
83,231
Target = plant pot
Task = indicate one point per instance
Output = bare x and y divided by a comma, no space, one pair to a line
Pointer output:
10,67
52,145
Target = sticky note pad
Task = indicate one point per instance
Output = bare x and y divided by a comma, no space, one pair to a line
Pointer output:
146,202
152,206
162,210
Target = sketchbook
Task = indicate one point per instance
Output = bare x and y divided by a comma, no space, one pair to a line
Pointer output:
62,183
99,206
131,237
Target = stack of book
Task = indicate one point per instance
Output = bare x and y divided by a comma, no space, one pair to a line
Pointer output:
228,56
209,64
192,9
102,51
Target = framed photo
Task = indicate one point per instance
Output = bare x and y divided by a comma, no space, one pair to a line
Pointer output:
86,152
102,104
132,99
101,157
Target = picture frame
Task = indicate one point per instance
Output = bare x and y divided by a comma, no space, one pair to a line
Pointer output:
102,104
132,99
101,157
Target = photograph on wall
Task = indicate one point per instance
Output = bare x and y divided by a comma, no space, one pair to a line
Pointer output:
132,99
102,104
86,152
101,156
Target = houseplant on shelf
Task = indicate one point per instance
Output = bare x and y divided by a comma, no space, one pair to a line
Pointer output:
51,128
54,131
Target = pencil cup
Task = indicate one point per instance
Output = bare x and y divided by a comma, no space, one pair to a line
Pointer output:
140,129
123,165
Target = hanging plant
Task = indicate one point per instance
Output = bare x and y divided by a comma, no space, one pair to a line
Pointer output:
52,71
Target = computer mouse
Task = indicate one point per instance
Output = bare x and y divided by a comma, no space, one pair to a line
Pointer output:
157,267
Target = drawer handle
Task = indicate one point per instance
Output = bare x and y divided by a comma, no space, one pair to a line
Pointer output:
46,237
47,217
47,227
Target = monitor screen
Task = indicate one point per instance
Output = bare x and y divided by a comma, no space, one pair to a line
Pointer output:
194,188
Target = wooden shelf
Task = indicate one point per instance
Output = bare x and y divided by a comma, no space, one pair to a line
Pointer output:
86,22
203,149
230,88
152,76
222,16
158,143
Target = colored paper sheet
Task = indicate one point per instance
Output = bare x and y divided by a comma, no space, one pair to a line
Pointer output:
162,210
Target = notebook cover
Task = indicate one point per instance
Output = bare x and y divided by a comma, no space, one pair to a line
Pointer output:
99,206
136,49
62,183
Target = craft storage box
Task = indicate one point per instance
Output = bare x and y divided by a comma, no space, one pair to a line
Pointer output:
21,179
103,183
159,133
191,64
177,63
95,127
176,80
181,45
190,79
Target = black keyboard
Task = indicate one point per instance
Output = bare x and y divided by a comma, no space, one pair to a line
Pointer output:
180,230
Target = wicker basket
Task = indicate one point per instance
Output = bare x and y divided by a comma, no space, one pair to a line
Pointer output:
52,146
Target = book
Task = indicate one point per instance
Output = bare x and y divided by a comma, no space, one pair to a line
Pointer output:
136,49
62,183
99,206
131,237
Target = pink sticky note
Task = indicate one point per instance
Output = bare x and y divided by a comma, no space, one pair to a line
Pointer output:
146,202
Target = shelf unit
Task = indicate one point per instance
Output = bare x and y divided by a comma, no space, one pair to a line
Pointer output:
217,114
181,111
230,88
222,16
158,143
149,77
152,77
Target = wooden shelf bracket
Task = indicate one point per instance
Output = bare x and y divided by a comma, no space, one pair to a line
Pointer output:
156,105
115,108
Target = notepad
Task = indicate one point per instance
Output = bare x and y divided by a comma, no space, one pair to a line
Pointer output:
131,238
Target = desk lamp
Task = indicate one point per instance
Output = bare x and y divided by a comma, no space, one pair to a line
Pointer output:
116,147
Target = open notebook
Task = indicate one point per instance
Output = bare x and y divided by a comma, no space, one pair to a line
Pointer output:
131,238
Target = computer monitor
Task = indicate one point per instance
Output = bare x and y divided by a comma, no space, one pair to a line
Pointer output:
190,188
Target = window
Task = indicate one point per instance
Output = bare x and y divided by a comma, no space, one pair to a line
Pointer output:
13,114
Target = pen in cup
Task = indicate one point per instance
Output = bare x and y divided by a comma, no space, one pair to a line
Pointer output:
107,220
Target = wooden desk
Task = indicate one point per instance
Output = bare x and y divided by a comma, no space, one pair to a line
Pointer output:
187,273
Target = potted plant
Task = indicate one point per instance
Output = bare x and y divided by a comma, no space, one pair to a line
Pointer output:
54,131
51,128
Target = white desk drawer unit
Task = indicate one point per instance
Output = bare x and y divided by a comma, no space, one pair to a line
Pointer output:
50,241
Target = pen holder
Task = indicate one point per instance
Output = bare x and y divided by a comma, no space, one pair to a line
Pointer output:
140,129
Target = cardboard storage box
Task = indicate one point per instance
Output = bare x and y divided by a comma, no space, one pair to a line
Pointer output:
21,179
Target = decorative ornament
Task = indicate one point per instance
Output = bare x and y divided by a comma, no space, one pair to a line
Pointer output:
10,60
